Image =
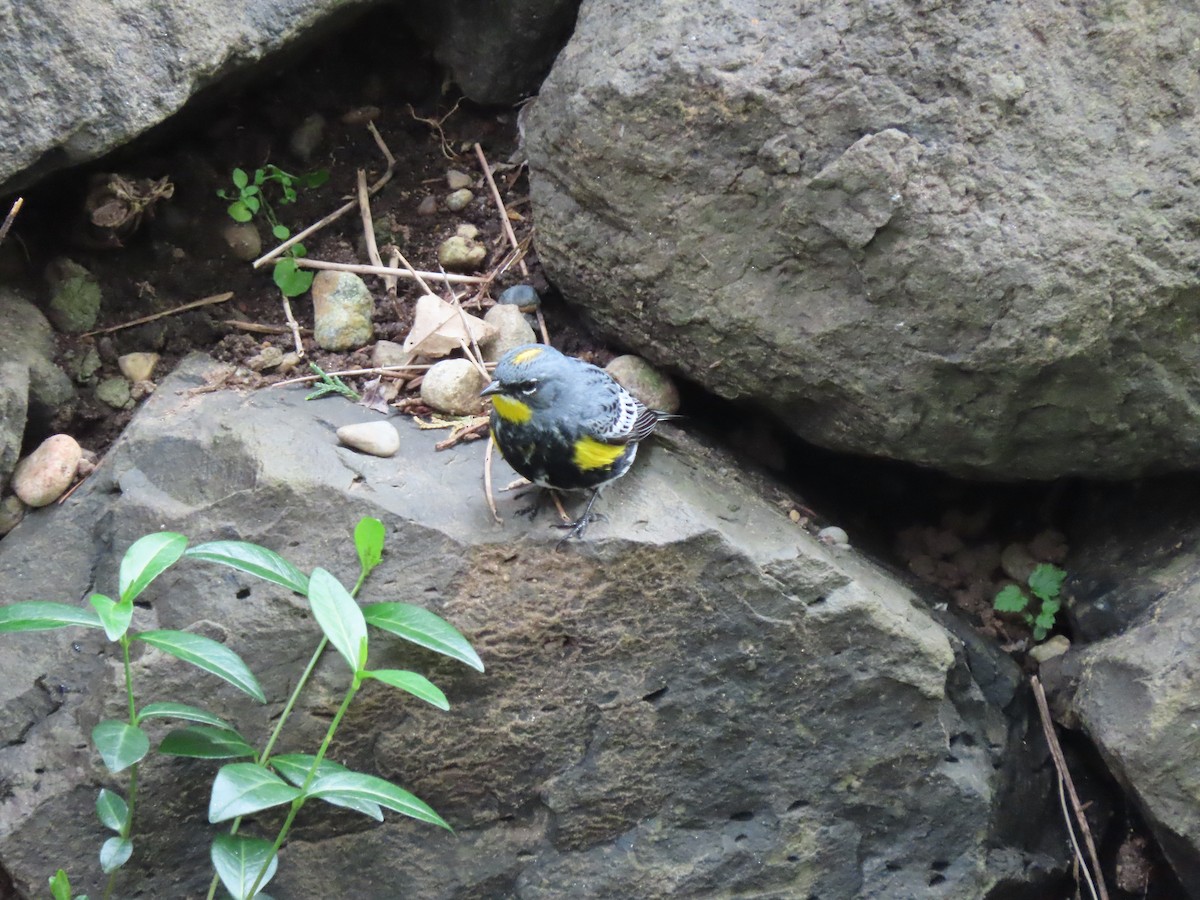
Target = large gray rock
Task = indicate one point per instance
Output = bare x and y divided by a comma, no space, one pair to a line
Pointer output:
698,702
961,235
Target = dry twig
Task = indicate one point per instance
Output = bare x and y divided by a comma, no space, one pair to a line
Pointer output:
341,210
306,263
207,301
498,200
257,328
8,220
1096,886
436,124
293,325
487,479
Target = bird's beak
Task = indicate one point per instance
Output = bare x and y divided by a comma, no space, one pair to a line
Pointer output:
493,388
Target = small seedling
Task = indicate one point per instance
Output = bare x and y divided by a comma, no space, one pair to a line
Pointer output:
1045,583
330,384
249,198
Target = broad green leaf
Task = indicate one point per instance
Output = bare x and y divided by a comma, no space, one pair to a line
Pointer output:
146,559
253,203
421,627
114,853
1011,599
281,232
357,786
299,251
313,179
120,744
1046,581
238,859
417,685
253,560
112,810
206,654
295,768
244,788
338,615
205,742
290,279
167,710
369,534
60,886
114,616
240,178
39,615
239,212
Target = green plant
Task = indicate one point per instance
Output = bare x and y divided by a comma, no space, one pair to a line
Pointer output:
257,780
330,384
1045,583
60,887
249,198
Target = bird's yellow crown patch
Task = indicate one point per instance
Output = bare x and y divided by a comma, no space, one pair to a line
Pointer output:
526,355
593,454
511,410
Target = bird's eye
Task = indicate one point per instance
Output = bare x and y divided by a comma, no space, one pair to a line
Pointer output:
527,387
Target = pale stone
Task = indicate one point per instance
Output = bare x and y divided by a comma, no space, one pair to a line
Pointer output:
389,353
137,366
459,200
461,254
243,240
342,310
645,382
456,180
438,328
512,330
452,387
42,476
1056,646
375,438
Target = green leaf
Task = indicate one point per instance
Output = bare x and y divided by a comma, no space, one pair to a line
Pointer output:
313,179
369,535
417,685
357,786
1046,581
42,615
244,788
290,279
60,886
146,559
238,859
205,742
240,178
114,853
253,560
114,616
260,176
120,744
281,232
112,810
206,654
338,615
239,212
295,768
419,626
251,191
167,710
253,203
298,250
1011,599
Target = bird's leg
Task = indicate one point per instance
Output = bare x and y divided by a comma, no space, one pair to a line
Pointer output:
580,525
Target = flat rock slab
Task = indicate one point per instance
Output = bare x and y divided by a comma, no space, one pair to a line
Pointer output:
698,700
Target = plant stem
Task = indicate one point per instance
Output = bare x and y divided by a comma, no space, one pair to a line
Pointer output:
131,800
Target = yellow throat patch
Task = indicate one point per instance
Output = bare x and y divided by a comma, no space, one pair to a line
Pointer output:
593,454
511,410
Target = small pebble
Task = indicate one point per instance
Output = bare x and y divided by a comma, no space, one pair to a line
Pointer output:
645,382
308,136
361,116
268,357
523,296
1056,646
75,296
115,392
137,366
140,389
12,511
467,230
457,180
511,331
427,206
342,311
375,438
461,254
290,361
243,240
41,477
834,536
389,353
1017,563
459,200
452,387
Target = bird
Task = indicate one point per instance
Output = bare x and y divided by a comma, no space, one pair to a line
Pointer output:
565,424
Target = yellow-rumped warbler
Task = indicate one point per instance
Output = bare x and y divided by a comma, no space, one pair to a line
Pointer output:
564,423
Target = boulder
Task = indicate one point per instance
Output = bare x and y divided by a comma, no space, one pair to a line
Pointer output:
960,236
699,699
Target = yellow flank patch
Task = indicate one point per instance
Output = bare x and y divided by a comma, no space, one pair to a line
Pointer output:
526,355
593,454
511,410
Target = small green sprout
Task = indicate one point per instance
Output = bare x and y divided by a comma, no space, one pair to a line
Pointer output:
330,384
249,198
1045,583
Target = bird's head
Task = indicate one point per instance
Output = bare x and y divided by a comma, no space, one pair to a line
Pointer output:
527,379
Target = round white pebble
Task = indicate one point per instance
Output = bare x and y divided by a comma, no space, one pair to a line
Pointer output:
375,438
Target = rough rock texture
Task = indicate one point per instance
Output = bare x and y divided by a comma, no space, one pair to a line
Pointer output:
696,704
963,235
30,383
